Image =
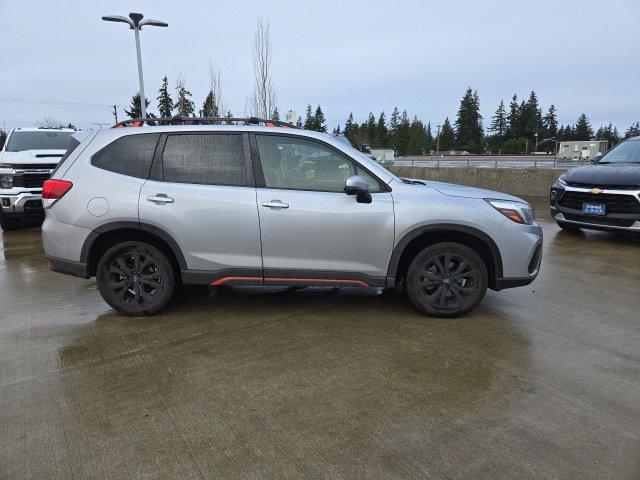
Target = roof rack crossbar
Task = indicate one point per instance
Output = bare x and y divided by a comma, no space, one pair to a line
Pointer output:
203,121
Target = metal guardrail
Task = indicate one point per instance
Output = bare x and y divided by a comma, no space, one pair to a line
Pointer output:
530,161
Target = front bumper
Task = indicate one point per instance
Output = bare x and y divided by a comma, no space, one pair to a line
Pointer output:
615,221
25,203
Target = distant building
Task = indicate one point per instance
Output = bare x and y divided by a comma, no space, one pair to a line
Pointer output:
291,117
582,149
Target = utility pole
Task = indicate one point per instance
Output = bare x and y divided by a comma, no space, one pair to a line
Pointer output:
536,147
115,113
438,139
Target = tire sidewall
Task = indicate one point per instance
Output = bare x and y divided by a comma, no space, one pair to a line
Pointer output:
162,262
444,247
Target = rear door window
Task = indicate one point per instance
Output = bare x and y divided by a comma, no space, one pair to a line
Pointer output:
131,155
213,159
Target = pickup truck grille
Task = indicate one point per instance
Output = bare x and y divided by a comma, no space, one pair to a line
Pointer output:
34,180
613,203
34,166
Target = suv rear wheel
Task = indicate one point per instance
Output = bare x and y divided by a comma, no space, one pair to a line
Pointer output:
135,278
446,280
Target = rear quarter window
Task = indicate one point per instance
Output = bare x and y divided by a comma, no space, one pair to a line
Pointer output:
213,159
131,155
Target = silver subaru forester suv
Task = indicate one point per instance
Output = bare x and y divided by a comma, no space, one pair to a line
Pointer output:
259,203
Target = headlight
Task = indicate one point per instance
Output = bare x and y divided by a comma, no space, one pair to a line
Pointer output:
6,181
562,181
515,211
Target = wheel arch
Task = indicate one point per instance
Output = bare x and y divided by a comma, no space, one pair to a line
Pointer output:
107,235
419,238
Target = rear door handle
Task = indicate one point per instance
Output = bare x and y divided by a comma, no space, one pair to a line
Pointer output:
275,204
160,198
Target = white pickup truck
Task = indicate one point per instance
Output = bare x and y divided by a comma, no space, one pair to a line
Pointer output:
27,159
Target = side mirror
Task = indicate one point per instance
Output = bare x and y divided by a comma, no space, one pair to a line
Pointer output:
358,186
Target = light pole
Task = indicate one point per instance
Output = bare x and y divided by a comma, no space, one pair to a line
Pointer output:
136,23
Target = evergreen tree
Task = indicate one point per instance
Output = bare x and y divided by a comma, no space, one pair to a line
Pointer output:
430,143
550,123
229,115
583,130
134,109
633,130
3,138
276,114
382,133
299,122
402,134
165,102
447,137
209,107
395,119
371,128
513,118
349,130
184,104
417,142
499,121
608,133
308,120
530,117
469,131
318,121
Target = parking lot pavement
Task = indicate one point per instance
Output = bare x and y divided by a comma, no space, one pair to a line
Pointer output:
538,382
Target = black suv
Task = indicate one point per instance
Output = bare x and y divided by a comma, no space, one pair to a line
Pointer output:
603,196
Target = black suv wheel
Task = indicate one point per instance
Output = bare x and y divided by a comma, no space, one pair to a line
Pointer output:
135,278
7,223
446,280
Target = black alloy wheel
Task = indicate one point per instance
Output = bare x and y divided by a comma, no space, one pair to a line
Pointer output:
447,280
135,278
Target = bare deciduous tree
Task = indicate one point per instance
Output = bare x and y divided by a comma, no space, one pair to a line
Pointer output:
263,99
50,122
215,87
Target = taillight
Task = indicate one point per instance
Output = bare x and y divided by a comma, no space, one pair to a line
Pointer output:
53,190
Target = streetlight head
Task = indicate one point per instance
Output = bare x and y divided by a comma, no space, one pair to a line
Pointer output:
136,17
117,18
154,23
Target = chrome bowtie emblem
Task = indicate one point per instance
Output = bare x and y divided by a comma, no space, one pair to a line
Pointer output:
595,191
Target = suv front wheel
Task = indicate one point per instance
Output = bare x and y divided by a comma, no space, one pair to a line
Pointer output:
135,278
446,280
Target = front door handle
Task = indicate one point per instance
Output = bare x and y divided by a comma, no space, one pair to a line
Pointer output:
160,198
275,204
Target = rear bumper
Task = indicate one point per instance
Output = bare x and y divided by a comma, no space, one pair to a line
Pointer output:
68,267
26,203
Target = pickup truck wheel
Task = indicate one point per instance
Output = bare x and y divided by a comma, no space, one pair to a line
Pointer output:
8,224
446,280
135,278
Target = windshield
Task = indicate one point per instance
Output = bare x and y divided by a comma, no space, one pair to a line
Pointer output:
45,140
625,152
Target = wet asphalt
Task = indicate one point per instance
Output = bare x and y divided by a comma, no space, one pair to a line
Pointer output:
539,382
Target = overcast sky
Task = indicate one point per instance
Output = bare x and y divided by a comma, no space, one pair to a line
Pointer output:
581,55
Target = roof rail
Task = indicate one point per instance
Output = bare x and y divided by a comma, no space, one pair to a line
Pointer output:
139,122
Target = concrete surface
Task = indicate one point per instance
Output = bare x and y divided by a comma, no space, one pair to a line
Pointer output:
523,182
538,382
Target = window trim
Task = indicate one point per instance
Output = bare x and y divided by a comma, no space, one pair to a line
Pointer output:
155,150
157,168
259,175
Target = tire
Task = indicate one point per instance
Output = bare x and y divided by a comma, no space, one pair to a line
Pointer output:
8,224
135,278
446,279
568,227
